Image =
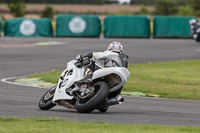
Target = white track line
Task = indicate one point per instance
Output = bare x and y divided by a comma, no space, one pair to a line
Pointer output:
6,80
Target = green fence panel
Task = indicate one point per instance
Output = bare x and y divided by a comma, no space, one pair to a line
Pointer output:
0,26
127,26
172,26
78,26
22,27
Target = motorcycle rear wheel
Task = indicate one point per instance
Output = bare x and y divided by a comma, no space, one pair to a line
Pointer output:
101,93
45,102
103,110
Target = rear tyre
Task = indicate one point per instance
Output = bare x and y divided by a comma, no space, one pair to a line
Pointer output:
45,102
115,93
100,94
103,110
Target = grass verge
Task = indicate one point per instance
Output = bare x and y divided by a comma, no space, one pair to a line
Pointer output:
177,80
55,125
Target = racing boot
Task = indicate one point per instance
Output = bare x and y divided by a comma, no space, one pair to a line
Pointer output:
87,78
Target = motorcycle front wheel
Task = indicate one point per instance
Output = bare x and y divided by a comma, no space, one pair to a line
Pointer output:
100,94
45,102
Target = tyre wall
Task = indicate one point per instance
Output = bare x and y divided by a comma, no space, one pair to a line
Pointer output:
78,26
0,26
171,26
127,26
22,27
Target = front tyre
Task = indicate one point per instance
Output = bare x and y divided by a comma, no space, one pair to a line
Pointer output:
100,94
45,102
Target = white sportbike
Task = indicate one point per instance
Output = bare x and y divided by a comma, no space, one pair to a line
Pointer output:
86,98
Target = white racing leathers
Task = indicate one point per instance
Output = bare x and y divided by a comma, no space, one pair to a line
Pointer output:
111,59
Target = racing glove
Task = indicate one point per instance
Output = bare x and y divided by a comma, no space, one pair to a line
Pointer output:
79,57
85,56
88,55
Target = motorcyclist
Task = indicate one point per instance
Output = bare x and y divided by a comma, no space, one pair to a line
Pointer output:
112,57
195,29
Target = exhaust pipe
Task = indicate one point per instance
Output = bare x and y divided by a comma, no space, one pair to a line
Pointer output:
112,101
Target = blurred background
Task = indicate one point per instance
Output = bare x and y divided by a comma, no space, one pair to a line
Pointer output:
50,8
10,9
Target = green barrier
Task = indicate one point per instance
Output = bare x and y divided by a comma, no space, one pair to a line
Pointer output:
127,26
22,27
172,26
0,25
78,26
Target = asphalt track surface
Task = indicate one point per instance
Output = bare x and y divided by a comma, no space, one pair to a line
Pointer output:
20,56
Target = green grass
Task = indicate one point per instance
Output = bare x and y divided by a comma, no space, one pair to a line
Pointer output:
55,125
177,80
48,76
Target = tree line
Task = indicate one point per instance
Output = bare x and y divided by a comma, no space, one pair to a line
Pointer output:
162,7
59,1
136,2
153,2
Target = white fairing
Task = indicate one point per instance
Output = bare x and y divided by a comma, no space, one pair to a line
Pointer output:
120,71
76,75
72,74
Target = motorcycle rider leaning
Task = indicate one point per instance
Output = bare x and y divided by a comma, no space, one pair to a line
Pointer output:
195,29
112,57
